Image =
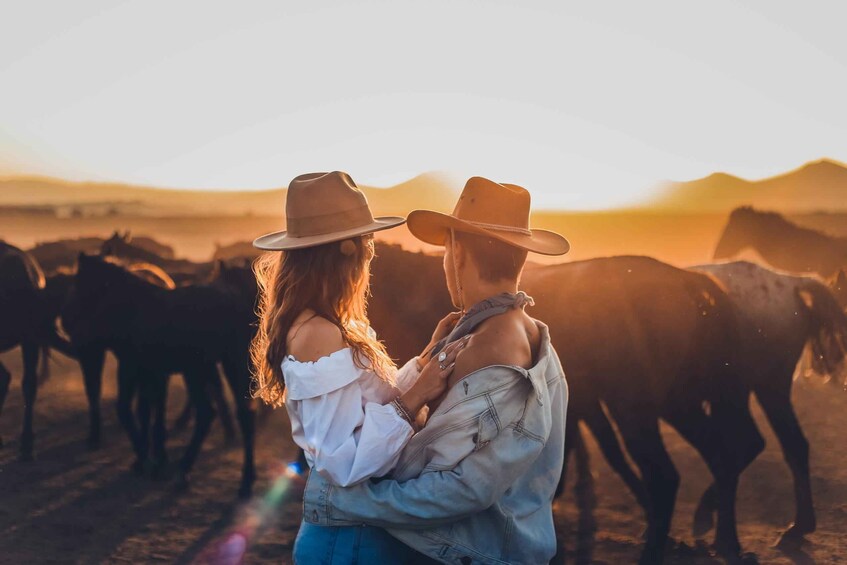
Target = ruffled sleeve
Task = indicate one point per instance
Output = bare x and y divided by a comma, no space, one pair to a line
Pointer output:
347,438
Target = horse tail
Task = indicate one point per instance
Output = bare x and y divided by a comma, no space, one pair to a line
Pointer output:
828,332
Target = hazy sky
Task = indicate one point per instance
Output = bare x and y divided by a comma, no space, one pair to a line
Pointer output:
586,105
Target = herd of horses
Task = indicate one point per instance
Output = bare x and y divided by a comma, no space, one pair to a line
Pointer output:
641,341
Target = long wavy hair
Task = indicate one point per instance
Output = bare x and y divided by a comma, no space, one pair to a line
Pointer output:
333,280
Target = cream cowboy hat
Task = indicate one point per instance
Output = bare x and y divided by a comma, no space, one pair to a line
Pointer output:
322,208
500,211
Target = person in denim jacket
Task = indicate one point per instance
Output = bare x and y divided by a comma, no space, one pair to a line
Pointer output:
476,484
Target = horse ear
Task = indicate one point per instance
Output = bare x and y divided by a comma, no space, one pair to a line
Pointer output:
127,236
841,279
221,266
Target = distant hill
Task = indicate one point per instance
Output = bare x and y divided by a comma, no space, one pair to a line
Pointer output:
429,190
816,186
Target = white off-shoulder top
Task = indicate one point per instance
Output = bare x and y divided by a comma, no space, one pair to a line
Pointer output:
341,418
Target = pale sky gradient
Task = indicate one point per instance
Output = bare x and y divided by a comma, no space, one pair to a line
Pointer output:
586,105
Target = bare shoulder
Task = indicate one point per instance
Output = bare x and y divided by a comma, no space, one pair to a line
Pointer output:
312,337
502,340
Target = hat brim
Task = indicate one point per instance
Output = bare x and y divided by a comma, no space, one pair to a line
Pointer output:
281,240
433,227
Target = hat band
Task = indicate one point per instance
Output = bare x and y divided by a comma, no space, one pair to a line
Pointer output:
323,224
499,227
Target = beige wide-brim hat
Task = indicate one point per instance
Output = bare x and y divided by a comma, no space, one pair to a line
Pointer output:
322,208
499,211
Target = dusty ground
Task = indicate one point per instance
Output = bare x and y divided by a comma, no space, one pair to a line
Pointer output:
75,506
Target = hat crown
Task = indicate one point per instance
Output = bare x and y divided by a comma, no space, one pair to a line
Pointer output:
487,202
322,203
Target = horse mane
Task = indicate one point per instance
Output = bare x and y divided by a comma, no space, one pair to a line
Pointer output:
134,276
154,271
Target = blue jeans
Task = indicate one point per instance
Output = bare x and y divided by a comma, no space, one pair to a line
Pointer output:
348,545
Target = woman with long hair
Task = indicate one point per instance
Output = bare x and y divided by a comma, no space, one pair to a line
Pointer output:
351,409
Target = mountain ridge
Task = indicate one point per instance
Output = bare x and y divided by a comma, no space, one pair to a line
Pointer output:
813,186
430,190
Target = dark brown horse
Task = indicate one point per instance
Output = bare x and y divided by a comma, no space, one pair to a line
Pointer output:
28,310
782,244
780,315
644,339
91,357
156,331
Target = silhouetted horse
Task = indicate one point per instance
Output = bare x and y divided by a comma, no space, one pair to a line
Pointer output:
779,315
27,318
55,255
182,271
91,357
156,331
781,243
645,339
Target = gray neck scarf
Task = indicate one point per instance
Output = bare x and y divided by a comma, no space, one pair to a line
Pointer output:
480,312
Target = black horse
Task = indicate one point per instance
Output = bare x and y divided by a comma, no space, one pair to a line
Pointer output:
28,310
154,332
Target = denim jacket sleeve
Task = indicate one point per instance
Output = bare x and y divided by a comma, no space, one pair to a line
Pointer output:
439,496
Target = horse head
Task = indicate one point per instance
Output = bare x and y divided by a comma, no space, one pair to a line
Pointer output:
95,308
738,234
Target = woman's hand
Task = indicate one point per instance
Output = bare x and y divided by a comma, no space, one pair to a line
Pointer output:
432,381
442,330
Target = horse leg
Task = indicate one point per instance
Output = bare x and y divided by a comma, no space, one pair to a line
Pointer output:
143,404
29,386
740,442
728,440
238,376
661,481
195,379
5,381
185,414
572,437
795,449
601,428
222,406
91,362
158,399
127,385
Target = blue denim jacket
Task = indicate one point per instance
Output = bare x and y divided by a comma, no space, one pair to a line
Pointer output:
476,485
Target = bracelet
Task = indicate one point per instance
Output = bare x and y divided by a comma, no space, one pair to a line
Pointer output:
404,412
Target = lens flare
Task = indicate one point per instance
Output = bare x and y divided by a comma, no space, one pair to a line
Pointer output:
253,518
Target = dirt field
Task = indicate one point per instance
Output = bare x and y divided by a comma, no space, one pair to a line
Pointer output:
75,506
